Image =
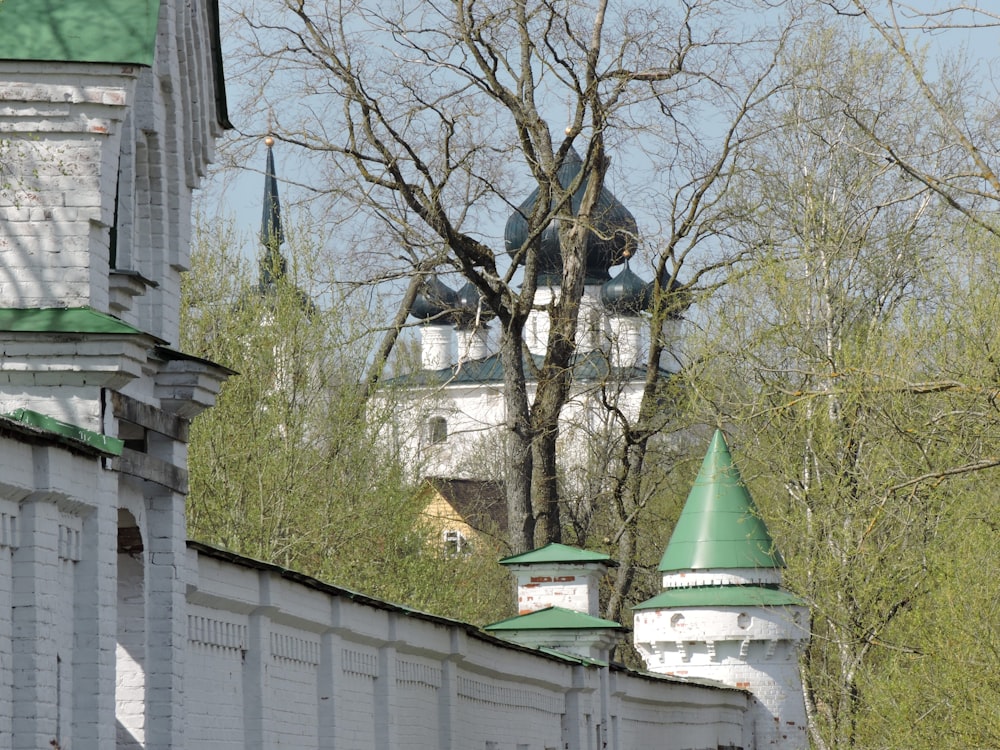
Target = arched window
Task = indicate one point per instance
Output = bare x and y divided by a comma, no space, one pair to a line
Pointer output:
437,430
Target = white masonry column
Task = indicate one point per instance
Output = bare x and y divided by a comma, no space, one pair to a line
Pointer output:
435,346
472,342
627,348
33,662
166,624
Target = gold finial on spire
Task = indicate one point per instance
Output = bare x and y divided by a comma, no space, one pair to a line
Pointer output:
269,141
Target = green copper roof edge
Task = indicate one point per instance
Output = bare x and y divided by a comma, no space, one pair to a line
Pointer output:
554,618
719,526
110,445
111,31
558,553
65,320
722,596
586,367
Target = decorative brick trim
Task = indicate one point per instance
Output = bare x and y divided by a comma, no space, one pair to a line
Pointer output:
69,542
500,695
414,673
8,530
291,648
211,632
358,662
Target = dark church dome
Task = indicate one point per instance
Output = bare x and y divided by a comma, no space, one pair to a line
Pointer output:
470,305
435,302
626,293
613,240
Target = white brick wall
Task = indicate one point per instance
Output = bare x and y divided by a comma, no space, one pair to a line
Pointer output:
573,587
274,661
751,648
60,145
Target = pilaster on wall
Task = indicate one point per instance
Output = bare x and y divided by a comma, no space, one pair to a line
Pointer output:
166,610
96,626
35,650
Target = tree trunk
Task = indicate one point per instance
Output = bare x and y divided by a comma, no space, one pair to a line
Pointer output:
518,463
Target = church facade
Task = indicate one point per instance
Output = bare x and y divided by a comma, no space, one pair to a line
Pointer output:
117,632
456,412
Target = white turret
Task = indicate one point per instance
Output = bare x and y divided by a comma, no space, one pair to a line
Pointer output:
722,614
557,602
435,306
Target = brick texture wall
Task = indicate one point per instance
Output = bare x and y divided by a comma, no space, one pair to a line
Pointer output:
272,660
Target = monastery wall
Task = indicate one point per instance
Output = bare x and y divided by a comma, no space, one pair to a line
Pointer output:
275,657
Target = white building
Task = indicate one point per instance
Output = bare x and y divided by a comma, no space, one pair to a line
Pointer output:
115,632
454,403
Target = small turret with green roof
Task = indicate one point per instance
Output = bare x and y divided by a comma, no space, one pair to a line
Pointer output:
558,602
722,614
558,575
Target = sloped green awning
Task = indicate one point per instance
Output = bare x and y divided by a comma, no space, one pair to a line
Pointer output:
557,553
110,445
61,320
721,596
554,618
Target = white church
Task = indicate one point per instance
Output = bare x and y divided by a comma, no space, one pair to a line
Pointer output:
455,403
118,632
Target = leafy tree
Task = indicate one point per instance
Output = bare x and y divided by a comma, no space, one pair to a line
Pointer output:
287,467
862,407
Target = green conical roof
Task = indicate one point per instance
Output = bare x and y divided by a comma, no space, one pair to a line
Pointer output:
719,526
554,618
558,553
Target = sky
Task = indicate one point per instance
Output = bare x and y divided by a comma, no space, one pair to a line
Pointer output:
235,193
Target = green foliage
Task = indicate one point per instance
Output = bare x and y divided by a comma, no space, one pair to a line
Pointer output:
288,467
856,366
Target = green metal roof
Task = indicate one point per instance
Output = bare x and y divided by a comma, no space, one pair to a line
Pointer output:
110,445
554,618
557,553
592,366
722,596
719,526
106,31
61,319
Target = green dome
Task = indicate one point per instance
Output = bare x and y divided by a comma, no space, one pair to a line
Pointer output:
719,526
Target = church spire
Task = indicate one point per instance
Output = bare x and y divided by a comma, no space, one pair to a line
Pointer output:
272,264
270,225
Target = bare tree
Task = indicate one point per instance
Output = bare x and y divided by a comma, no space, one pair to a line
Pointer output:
431,114
959,96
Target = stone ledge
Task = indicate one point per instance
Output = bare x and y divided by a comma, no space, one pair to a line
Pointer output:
187,385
